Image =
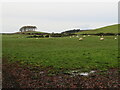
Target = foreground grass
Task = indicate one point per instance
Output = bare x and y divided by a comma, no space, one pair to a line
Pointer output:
62,53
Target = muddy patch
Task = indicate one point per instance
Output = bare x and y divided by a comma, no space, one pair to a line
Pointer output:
18,76
78,72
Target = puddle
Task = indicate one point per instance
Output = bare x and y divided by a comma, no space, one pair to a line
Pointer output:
41,72
92,71
77,72
84,74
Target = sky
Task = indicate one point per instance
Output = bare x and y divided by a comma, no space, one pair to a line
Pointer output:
58,16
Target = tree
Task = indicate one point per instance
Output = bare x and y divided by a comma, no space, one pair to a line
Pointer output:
27,28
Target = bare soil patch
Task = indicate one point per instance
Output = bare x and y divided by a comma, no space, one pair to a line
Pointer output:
16,75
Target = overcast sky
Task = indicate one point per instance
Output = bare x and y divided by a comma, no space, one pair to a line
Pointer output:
58,17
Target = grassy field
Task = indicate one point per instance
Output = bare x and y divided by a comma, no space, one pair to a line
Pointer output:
106,29
62,53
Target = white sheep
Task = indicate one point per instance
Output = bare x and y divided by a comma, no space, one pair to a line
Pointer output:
70,36
80,39
84,36
88,35
115,38
77,36
101,38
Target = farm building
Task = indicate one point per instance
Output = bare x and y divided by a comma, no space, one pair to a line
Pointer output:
27,28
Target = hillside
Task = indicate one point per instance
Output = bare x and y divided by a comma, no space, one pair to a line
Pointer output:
107,29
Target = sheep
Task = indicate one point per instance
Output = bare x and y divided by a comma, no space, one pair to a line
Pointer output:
88,35
77,36
36,38
80,39
84,36
70,36
115,38
101,38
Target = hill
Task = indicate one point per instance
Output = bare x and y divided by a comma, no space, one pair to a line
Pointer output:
106,29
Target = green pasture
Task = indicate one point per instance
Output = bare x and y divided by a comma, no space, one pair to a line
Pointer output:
63,52
106,29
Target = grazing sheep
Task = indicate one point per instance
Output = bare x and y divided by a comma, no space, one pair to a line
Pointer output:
80,39
70,36
36,38
84,36
115,38
88,35
101,38
77,36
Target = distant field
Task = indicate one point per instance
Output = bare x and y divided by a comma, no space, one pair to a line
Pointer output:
107,29
62,53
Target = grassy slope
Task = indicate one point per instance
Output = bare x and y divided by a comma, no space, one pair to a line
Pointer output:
67,53
107,29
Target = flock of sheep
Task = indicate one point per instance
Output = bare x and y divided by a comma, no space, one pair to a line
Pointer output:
82,38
